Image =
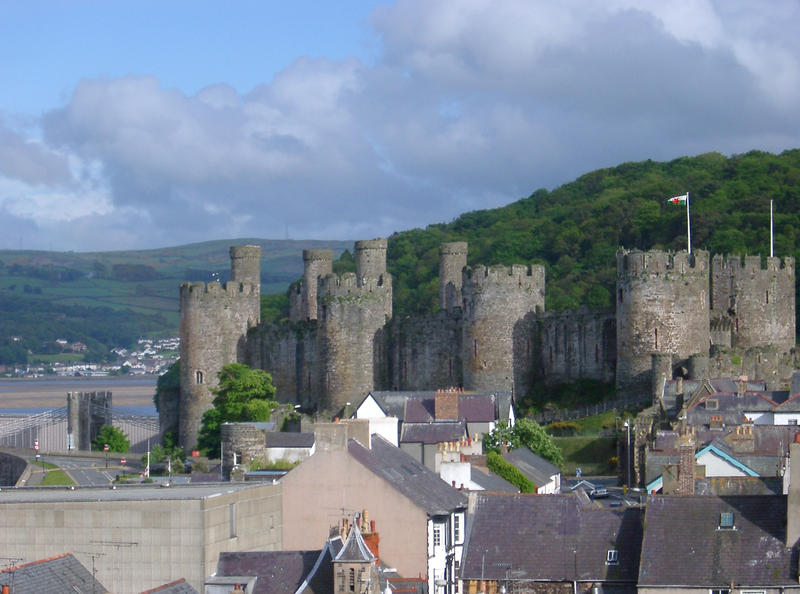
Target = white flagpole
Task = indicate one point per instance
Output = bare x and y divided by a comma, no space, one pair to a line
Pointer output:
771,236
688,226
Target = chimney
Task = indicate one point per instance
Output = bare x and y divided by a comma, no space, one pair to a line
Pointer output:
236,588
686,444
741,385
793,498
372,539
446,405
679,386
6,589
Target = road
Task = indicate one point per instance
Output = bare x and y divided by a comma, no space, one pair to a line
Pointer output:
90,470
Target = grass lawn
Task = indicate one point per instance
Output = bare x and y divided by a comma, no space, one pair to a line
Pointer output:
56,477
590,454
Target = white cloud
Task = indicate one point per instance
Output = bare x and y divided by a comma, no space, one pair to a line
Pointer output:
472,104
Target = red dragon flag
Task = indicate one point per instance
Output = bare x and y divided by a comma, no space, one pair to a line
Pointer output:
678,199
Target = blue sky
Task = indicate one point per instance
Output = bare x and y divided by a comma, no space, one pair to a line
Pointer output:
128,125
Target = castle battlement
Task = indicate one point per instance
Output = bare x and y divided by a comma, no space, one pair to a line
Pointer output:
525,277
198,291
753,263
347,285
655,262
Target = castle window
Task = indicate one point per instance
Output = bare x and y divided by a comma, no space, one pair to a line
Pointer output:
620,295
655,338
198,376
767,296
475,347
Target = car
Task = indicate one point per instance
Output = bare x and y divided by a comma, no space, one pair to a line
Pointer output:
599,493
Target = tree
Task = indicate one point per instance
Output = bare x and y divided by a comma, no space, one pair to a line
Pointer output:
528,433
115,438
243,394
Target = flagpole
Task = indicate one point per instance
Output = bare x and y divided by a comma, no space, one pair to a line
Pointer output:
688,226
771,236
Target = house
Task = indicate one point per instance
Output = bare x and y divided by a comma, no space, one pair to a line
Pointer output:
348,562
543,474
62,573
421,517
429,418
550,544
462,464
737,451
180,586
722,545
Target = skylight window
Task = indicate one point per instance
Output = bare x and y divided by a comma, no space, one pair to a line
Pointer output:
612,557
726,521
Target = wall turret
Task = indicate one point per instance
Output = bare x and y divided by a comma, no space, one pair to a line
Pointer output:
757,299
316,264
353,309
213,327
452,261
496,343
662,305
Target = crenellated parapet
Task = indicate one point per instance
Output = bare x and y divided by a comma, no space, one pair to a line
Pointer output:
655,263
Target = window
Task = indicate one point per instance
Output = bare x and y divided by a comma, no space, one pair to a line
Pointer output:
612,557
726,521
198,376
352,579
792,422
712,404
457,528
437,535
720,591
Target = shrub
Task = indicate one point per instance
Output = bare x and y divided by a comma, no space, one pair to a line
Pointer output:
509,472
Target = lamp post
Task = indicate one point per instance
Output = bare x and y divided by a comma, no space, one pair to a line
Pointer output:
627,426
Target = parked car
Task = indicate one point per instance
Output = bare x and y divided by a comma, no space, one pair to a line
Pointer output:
598,493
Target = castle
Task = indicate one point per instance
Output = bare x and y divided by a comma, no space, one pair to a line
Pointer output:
676,313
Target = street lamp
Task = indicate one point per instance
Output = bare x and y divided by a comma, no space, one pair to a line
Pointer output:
627,426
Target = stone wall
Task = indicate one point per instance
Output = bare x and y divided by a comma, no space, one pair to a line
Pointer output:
662,305
11,469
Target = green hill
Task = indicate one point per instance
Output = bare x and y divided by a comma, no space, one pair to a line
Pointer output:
576,229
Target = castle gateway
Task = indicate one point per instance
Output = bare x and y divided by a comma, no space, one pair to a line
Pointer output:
491,332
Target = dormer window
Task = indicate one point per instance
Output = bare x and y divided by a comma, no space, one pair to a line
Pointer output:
726,521
712,404
612,557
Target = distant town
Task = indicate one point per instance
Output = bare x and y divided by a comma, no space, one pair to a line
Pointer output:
151,356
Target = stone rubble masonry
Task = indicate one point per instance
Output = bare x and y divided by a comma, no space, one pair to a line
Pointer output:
87,412
662,305
452,261
213,328
491,331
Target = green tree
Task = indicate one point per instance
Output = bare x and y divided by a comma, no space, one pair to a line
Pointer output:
243,394
511,473
525,432
115,438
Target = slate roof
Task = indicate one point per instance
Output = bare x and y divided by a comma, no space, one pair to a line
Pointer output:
420,485
355,549
533,466
283,572
63,573
281,439
177,587
684,546
438,432
418,406
550,538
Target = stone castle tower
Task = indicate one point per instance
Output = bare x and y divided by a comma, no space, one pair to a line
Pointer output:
662,306
491,331
213,328
754,303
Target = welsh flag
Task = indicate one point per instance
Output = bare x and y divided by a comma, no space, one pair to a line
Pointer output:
678,199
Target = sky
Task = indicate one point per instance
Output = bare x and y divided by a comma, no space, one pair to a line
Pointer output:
146,124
